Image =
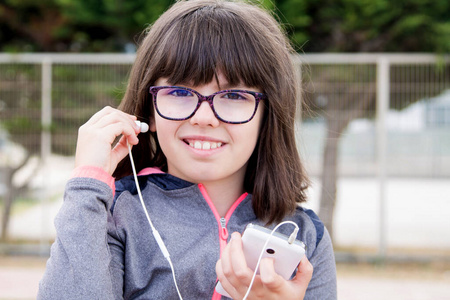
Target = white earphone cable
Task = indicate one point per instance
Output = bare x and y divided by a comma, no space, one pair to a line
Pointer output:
290,241
163,247
156,234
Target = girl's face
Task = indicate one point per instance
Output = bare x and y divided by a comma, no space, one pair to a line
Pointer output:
203,149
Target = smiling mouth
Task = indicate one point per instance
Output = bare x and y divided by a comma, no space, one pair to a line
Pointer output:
203,145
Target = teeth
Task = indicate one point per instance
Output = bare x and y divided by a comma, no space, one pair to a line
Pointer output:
204,145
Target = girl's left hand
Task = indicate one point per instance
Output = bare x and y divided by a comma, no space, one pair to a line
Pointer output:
235,276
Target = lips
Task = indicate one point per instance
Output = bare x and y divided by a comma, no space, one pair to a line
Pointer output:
203,145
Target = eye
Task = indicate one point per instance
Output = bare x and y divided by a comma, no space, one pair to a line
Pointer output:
180,93
235,96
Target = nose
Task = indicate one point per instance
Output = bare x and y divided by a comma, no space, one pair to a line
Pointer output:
204,116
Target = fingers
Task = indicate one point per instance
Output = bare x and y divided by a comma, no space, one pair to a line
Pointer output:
119,151
304,275
96,136
116,123
305,270
269,278
107,110
239,267
274,285
235,276
227,286
232,270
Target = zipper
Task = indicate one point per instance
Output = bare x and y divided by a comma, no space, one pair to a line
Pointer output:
224,230
222,223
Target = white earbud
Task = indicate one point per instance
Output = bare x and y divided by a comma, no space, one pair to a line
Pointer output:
142,125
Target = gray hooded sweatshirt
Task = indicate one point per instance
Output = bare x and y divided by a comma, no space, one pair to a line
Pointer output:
105,249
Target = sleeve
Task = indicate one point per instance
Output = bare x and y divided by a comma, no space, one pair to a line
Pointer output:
323,283
81,264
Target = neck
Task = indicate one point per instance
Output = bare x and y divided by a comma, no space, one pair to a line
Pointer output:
223,195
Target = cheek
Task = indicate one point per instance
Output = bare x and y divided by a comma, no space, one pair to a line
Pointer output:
153,119
250,131
166,131
258,122
247,137
161,125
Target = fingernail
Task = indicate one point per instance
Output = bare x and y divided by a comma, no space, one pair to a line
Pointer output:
234,235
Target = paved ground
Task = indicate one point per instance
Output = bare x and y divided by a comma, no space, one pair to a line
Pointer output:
394,282
19,278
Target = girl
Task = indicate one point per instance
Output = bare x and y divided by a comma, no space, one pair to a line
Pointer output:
215,82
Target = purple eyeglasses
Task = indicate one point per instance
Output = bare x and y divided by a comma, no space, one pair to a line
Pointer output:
230,106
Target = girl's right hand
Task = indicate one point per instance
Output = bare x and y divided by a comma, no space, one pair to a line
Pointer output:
96,136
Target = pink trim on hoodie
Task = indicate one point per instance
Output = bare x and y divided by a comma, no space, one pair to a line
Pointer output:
100,174
149,171
235,204
216,296
223,231
95,173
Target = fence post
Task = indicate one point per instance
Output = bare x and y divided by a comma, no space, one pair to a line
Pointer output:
46,143
46,112
382,106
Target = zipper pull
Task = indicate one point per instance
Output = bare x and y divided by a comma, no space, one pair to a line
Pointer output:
224,230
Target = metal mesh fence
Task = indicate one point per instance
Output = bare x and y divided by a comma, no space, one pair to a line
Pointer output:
341,107
78,91
336,96
20,104
418,124
341,116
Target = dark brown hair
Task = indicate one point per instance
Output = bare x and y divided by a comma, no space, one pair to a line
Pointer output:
191,43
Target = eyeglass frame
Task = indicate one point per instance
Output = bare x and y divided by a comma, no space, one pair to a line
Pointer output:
153,90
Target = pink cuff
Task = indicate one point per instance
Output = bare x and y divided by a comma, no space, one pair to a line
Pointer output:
95,173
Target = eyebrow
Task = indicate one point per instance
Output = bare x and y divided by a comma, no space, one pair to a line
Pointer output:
222,87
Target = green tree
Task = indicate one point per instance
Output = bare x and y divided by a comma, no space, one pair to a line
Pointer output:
367,25
75,26
28,25
97,25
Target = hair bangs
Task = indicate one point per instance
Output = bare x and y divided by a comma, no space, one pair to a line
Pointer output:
206,42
